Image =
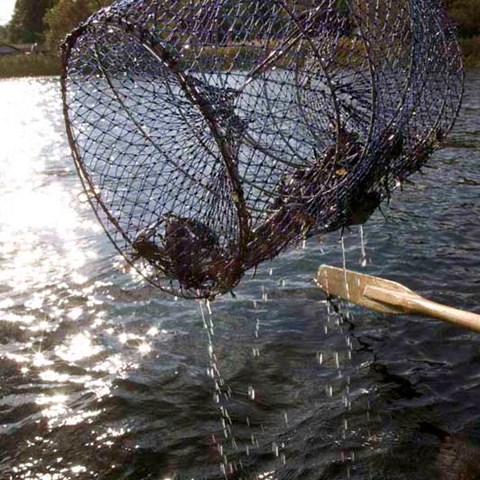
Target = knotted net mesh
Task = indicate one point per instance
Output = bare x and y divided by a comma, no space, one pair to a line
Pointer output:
210,135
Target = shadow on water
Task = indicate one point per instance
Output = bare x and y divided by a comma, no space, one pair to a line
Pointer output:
103,377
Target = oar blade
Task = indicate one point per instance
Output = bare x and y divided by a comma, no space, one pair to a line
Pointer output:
350,286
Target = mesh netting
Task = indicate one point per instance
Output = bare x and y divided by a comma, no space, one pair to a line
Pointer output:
212,134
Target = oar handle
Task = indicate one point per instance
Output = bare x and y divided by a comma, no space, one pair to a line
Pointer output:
413,303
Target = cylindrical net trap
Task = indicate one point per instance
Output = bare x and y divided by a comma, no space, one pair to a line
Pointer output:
210,135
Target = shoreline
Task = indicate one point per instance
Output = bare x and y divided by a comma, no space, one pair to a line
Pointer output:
33,65
41,65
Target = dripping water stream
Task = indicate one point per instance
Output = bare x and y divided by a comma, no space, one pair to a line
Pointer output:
221,395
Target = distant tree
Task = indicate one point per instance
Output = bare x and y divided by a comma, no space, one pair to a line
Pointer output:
467,14
26,25
3,33
65,15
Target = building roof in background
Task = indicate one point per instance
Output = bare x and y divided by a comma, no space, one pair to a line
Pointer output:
9,49
19,48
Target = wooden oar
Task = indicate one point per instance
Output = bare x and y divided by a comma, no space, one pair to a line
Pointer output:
388,297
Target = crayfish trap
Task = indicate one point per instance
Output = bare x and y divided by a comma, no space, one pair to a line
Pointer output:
210,135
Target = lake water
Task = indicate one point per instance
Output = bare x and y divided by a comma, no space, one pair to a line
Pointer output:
104,377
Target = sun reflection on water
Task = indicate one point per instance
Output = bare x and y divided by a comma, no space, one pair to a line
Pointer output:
58,309
78,347
42,226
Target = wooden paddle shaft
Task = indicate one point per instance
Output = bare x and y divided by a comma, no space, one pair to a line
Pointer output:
412,303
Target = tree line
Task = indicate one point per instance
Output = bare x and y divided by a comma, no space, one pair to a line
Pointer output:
48,21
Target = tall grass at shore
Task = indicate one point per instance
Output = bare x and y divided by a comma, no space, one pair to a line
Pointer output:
33,65
471,51
242,55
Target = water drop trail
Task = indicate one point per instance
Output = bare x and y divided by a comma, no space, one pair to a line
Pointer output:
363,250
221,395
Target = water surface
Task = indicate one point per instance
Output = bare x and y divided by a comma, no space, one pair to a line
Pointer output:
104,377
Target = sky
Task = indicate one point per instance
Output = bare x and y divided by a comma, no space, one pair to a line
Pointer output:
6,10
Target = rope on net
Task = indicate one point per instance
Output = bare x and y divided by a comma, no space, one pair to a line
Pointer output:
210,135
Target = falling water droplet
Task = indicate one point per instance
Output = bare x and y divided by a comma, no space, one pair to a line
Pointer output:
344,260
320,358
337,359
264,294
275,449
363,256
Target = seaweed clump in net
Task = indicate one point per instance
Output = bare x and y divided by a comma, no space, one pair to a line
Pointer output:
210,135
